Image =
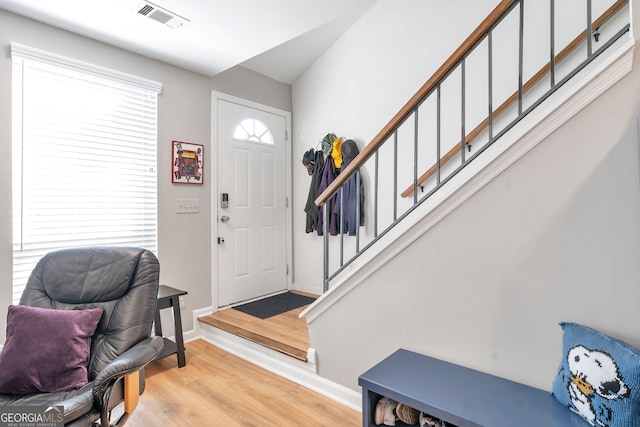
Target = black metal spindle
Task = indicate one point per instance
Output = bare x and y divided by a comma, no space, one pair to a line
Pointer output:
589,30
521,56
490,90
341,218
438,123
358,195
463,103
375,194
415,155
552,42
325,241
395,175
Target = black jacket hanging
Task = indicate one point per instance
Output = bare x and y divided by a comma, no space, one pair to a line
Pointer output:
350,198
310,207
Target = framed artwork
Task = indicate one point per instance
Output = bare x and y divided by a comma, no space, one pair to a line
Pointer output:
187,163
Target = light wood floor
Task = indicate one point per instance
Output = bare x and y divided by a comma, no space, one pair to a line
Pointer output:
286,333
217,388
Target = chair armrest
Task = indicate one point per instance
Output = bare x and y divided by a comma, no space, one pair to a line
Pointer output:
134,359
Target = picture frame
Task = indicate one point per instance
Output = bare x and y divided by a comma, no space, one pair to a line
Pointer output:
187,163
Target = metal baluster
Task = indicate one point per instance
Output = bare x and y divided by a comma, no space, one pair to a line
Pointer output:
325,240
357,175
463,132
552,38
341,218
490,93
395,175
438,119
415,156
375,195
589,31
521,56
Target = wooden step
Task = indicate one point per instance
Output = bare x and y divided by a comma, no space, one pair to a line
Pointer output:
286,333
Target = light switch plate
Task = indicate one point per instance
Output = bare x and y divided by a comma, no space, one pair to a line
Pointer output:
187,206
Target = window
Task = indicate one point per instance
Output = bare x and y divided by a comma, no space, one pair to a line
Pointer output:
253,130
84,158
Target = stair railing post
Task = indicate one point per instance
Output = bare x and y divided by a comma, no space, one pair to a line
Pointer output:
463,103
395,175
375,195
341,218
438,134
490,92
358,195
589,30
521,54
415,155
325,241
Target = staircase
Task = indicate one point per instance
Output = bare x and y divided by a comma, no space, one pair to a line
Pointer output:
448,272
446,128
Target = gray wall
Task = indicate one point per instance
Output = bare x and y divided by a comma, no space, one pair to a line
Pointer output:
556,237
184,113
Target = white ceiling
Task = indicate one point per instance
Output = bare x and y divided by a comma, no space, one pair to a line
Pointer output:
278,38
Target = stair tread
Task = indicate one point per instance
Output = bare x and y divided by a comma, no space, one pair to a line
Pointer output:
286,333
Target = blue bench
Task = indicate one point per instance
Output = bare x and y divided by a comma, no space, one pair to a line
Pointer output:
458,395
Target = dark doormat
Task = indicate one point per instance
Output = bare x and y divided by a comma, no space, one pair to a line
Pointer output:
275,305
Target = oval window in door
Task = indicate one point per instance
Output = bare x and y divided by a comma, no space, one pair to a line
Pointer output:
253,130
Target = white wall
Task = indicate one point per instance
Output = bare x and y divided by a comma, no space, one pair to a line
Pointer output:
360,83
184,113
555,238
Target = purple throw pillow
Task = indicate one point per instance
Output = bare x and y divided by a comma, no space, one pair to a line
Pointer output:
46,350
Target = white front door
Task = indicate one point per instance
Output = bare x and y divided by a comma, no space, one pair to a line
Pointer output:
251,182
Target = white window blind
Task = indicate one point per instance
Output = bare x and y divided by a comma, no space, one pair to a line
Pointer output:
84,158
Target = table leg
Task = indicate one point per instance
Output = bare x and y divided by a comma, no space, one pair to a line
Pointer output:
178,331
158,324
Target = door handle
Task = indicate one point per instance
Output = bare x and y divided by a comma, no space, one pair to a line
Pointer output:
220,240
224,218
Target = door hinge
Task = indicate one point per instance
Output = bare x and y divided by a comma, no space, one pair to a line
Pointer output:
286,135
286,202
287,269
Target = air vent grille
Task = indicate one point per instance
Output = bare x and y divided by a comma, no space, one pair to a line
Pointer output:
145,10
160,15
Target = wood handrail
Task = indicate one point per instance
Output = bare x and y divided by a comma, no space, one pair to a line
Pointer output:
448,65
615,8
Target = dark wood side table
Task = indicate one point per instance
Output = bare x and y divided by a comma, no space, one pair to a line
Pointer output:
170,297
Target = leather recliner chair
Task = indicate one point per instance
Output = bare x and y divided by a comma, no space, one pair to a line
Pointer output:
124,283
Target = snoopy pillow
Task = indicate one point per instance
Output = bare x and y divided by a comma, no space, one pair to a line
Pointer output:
599,377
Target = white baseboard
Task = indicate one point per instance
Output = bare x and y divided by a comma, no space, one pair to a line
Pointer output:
196,332
304,374
191,335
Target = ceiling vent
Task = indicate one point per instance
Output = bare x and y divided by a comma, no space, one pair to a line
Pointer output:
161,15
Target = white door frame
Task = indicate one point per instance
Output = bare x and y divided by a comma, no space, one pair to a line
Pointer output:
215,202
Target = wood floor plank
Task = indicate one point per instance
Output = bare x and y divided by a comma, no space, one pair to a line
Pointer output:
217,388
